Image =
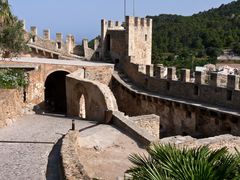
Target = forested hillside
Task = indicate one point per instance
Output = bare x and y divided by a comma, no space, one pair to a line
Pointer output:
198,39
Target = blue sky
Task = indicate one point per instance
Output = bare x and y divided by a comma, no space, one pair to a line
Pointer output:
82,17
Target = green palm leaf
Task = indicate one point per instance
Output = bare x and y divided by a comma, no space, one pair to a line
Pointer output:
170,162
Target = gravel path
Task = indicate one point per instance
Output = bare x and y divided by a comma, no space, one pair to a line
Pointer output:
26,147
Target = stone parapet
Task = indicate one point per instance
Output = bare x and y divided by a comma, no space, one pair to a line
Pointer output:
134,131
233,82
71,166
171,73
185,75
214,90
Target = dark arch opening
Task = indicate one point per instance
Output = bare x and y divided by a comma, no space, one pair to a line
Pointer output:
55,93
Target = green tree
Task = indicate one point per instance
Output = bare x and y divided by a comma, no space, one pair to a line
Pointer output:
236,48
207,32
167,162
12,41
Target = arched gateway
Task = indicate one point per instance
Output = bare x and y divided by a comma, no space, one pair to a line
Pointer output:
55,92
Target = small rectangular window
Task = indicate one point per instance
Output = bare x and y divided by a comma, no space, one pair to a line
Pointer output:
146,37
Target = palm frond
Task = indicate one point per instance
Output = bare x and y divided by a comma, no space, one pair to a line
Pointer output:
170,162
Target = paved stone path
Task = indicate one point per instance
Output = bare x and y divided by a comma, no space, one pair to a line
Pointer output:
25,147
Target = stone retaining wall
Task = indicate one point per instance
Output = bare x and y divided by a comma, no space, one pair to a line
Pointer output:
71,167
131,129
149,123
11,106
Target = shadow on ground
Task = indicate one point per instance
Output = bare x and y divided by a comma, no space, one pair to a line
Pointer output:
54,162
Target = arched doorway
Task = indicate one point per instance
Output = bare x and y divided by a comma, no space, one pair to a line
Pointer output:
55,93
82,107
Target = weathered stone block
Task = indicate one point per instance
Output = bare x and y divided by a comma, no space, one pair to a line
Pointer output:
171,73
59,37
34,30
233,82
85,43
46,34
185,75
214,79
200,77
159,71
96,44
149,70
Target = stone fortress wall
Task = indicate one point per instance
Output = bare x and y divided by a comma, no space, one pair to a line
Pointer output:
178,115
203,105
202,87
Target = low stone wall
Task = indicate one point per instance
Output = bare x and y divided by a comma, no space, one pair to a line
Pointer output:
131,129
71,167
150,123
11,106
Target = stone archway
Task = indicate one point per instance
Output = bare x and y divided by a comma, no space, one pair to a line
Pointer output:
98,98
55,92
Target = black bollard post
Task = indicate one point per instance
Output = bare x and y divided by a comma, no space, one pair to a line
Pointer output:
73,125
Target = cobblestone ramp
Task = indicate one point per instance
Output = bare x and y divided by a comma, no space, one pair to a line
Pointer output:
29,148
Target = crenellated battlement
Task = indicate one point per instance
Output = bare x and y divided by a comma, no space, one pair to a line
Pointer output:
59,37
214,79
213,88
138,22
46,34
112,25
33,30
58,47
124,39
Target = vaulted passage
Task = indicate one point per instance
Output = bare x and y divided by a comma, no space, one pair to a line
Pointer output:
55,93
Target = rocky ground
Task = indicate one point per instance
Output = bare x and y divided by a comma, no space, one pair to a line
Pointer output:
231,142
104,152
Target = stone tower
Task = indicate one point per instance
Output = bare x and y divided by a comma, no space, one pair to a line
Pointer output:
139,39
132,38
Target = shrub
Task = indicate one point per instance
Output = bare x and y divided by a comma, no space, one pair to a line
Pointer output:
12,78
